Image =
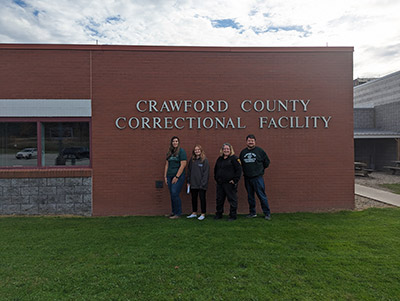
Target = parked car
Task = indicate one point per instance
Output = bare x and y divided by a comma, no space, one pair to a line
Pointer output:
27,153
76,152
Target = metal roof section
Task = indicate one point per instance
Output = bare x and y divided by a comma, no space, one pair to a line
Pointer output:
364,106
383,78
380,91
375,134
45,108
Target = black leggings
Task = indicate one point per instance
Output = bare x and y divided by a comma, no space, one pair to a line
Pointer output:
202,194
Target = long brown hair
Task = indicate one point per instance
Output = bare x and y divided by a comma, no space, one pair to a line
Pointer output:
202,153
172,151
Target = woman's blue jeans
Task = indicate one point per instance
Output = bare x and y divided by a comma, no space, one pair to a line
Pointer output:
174,191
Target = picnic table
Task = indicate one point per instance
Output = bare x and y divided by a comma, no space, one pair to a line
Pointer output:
360,169
394,168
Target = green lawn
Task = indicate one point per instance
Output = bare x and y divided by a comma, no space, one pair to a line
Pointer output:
395,188
303,256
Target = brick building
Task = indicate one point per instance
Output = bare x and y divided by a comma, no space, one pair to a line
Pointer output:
85,129
377,121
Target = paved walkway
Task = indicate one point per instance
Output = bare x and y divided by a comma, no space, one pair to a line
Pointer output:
378,195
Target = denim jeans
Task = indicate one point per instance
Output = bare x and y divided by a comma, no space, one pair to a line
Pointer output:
256,186
174,191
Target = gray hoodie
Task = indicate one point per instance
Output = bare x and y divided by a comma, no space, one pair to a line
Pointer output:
198,173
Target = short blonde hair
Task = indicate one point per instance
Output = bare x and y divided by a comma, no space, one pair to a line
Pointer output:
221,152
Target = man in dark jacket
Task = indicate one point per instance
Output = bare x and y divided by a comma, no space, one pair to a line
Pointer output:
254,161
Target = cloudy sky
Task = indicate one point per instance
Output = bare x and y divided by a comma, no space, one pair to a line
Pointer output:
371,26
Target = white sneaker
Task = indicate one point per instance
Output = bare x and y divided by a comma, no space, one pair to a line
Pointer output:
192,216
201,217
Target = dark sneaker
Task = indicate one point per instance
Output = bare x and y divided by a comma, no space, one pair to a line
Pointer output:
231,219
251,215
217,217
268,217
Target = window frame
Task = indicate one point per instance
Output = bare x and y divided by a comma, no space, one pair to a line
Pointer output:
39,121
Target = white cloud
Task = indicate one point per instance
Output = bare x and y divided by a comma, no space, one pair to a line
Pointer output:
371,26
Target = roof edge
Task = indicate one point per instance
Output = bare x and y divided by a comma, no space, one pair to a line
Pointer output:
376,136
18,46
372,82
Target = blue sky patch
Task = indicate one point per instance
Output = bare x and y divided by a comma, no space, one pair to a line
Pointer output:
304,31
93,31
92,28
253,12
23,4
20,3
114,19
225,23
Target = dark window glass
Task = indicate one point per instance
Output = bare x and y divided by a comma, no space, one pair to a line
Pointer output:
18,144
65,143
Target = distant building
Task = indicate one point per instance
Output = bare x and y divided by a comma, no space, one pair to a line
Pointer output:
377,121
360,81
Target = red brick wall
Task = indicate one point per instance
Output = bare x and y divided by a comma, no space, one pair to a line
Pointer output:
46,74
311,169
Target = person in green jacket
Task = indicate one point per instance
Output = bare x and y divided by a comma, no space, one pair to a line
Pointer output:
174,175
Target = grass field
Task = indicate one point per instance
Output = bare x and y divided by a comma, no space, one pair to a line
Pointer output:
302,256
395,188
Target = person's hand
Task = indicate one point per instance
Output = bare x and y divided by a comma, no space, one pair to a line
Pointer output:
232,182
174,180
166,181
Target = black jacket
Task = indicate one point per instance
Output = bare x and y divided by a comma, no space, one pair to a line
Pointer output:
227,169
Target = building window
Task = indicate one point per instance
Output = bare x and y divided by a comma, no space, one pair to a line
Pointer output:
18,144
44,143
65,143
